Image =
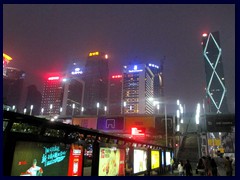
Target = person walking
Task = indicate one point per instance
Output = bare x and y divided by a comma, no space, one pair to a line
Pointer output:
228,166
188,168
201,166
180,169
208,166
214,167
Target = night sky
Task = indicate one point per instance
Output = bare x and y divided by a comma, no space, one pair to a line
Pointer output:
46,38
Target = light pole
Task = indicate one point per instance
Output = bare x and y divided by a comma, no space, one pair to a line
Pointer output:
124,106
82,109
13,108
51,106
24,110
197,116
42,110
165,112
73,107
97,107
158,107
31,108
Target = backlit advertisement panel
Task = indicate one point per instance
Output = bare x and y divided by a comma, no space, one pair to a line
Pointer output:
85,122
111,162
110,123
163,158
139,160
168,158
47,159
139,122
155,159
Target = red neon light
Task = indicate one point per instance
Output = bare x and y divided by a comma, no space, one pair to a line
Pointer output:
136,131
204,35
116,76
53,78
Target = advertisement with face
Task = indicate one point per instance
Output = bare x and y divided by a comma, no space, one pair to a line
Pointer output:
111,162
139,160
46,159
168,158
155,159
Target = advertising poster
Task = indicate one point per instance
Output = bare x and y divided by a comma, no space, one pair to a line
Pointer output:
111,162
139,160
168,158
41,159
110,123
75,160
163,158
90,123
155,159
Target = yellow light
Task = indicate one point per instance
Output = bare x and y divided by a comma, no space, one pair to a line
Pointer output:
6,57
94,54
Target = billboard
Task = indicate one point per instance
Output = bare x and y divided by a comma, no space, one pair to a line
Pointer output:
139,160
111,162
90,123
155,159
168,158
110,123
47,159
139,122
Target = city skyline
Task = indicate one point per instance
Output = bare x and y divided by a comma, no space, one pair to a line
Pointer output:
57,35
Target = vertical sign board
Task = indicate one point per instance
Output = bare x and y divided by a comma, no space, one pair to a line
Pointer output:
110,123
139,122
139,160
90,123
46,159
111,161
155,159
168,158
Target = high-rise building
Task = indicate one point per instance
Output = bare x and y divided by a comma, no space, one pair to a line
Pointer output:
34,98
115,103
138,89
96,78
215,82
62,96
13,86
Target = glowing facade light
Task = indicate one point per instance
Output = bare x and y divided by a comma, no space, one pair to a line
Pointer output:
116,76
53,78
204,34
6,58
73,106
178,113
106,56
98,105
94,53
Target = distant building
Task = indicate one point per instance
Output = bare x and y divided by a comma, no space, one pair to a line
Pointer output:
96,78
34,98
138,89
215,81
62,95
13,80
115,103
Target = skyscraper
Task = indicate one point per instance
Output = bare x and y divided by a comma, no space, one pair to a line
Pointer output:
115,95
138,89
96,78
215,82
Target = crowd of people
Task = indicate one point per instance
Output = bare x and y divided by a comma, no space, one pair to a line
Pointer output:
206,166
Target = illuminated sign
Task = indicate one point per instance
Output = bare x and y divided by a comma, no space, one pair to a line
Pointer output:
135,69
76,71
116,76
53,78
111,162
110,124
6,58
168,158
155,158
94,54
137,131
139,160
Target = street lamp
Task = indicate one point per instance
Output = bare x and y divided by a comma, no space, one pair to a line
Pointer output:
97,108
124,106
31,108
197,116
42,110
24,110
105,109
13,108
82,109
158,107
51,106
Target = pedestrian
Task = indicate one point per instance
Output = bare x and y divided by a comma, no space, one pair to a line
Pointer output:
214,167
208,166
228,166
201,167
180,169
188,168
172,165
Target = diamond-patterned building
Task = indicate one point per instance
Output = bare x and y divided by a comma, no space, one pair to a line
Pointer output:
215,82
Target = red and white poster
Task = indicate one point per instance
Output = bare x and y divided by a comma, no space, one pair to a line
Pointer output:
75,160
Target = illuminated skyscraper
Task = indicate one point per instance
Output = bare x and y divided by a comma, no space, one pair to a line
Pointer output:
138,89
215,82
96,77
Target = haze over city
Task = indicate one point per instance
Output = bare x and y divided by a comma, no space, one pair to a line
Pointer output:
47,38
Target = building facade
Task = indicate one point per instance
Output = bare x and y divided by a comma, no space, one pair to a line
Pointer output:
215,82
96,78
138,89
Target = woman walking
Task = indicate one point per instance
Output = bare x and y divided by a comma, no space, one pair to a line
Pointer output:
180,169
188,168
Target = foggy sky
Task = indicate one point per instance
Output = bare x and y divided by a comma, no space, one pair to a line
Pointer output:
46,38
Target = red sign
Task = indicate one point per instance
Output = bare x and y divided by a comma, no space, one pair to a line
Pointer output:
75,160
138,131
